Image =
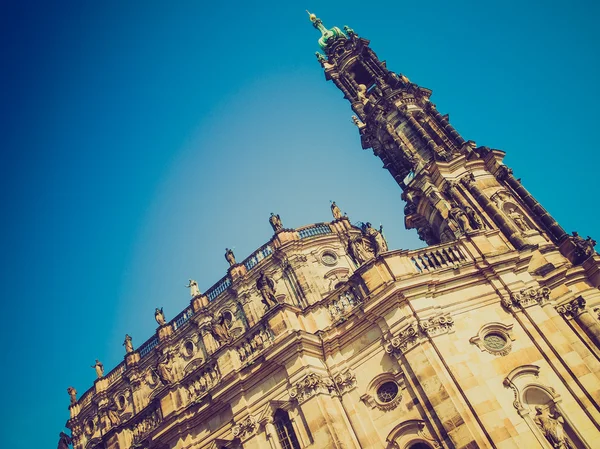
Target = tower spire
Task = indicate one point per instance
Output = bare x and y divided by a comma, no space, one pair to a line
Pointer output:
451,186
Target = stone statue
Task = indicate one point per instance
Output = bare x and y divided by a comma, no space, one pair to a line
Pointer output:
552,427
73,394
163,370
584,248
113,417
128,345
266,286
194,290
360,249
220,330
461,219
360,125
335,211
99,369
427,235
362,94
519,220
64,441
159,316
275,221
476,222
230,257
377,240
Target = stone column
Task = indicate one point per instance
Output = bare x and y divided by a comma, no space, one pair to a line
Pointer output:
445,124
576,309
328,422
422,133
425,374
271,433
507,227
505,174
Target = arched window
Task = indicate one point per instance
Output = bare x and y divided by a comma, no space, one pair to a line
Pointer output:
285,430
419,446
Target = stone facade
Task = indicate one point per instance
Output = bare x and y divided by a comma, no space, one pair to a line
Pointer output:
489,337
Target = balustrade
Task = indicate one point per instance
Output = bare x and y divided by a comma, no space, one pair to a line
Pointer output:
216,290
116,373
258,255
182,318
314,230
438,258
148,345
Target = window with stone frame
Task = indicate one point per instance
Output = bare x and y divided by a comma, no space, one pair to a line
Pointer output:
285,430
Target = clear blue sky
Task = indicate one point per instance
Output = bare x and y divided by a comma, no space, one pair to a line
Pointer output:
139,139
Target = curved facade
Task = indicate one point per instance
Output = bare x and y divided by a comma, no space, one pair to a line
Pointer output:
326,338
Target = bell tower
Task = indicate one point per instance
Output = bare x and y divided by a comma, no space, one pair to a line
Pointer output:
451,186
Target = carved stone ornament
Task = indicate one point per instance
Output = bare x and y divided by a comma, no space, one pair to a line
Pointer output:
405,340
345,381
584,248
247,426
527,297
253,345
495,338
572,308
503,172
200,386
146,425
441,324
309,386
342,304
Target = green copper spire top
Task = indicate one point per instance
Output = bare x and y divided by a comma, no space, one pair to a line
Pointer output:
326,35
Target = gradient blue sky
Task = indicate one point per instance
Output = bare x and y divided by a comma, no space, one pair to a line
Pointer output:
139,139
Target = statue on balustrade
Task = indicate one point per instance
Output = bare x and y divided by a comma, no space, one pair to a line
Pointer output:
220,330
230,257
73,395
377,240
476,222
584,248
518,220
64,441
360,249
99,367
128,344
266,286
164,371
552,426
336,211
193,286
275,221
159,316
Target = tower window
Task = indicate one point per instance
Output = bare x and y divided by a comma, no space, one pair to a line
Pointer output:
361,76
285,430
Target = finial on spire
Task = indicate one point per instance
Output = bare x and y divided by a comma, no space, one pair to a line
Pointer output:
326,34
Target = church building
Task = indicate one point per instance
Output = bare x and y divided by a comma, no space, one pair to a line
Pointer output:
324,337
